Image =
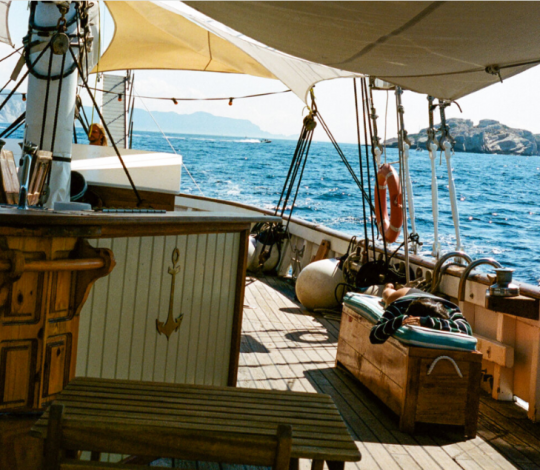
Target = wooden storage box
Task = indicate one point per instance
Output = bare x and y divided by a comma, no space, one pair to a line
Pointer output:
419,384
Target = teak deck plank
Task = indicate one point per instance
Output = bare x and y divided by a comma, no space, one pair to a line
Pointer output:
284,347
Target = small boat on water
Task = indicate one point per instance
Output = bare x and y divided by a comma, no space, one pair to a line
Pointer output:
265,141
152,285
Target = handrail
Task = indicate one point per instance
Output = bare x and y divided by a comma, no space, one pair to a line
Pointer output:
468,269
437,275
84,264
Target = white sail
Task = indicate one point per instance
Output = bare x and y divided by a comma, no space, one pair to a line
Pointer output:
163,35
4,27
437,48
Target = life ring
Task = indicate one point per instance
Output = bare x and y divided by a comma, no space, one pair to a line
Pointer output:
391,226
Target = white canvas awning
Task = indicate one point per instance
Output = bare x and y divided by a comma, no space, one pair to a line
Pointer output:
163,35
4,28
436,48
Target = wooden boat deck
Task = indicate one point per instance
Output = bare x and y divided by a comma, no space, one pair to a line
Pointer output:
286,348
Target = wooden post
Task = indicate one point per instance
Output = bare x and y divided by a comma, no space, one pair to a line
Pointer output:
534,394
503,377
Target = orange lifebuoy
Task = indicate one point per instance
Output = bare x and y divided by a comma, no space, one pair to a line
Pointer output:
391,226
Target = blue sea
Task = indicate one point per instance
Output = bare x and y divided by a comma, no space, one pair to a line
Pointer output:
498,195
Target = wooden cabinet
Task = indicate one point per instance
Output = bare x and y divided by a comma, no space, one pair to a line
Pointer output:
42,288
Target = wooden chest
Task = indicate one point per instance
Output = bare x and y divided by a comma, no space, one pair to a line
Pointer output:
419,384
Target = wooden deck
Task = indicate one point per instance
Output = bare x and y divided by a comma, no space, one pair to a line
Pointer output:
286,348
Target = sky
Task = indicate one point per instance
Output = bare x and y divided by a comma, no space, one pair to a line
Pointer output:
514,102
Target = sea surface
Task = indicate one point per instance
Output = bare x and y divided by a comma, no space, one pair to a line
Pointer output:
498,195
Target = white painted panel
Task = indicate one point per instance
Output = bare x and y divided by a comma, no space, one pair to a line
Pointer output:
118,337
205,324
140,310
196,303
113,310
213,330
227,286
96,331
154,294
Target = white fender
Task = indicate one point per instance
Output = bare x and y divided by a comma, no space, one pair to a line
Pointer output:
252,248
317,283
270,263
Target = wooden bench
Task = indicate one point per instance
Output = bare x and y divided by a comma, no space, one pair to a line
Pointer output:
419,384
196,422
64,438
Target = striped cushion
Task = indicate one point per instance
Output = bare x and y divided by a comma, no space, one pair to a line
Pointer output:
372,308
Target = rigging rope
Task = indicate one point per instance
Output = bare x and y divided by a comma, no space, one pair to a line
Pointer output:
370,109
12,92
106,127
360,160
345,161
404,192
9,55
13,126
168,141
368,165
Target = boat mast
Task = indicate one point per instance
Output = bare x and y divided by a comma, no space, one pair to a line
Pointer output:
52,85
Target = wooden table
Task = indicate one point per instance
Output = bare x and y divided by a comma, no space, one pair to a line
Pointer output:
319,433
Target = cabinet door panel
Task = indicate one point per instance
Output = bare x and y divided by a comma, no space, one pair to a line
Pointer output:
56,365
17,373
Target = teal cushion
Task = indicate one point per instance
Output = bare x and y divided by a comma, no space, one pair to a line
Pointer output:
372,309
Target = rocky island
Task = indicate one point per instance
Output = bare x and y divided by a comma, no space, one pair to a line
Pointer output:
488,136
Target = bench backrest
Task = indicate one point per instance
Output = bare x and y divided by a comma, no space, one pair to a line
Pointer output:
270,450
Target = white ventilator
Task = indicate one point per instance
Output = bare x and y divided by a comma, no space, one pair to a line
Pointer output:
432,148
453,198
410,196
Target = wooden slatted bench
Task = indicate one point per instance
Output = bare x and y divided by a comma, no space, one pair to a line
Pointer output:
318,431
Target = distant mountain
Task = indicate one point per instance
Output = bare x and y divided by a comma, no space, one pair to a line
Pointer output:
195,123
199,123
488,136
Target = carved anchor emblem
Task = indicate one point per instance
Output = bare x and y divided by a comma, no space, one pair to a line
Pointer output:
171,325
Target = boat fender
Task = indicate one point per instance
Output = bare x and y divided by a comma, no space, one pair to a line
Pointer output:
317,283
389,226
270,263
252,247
